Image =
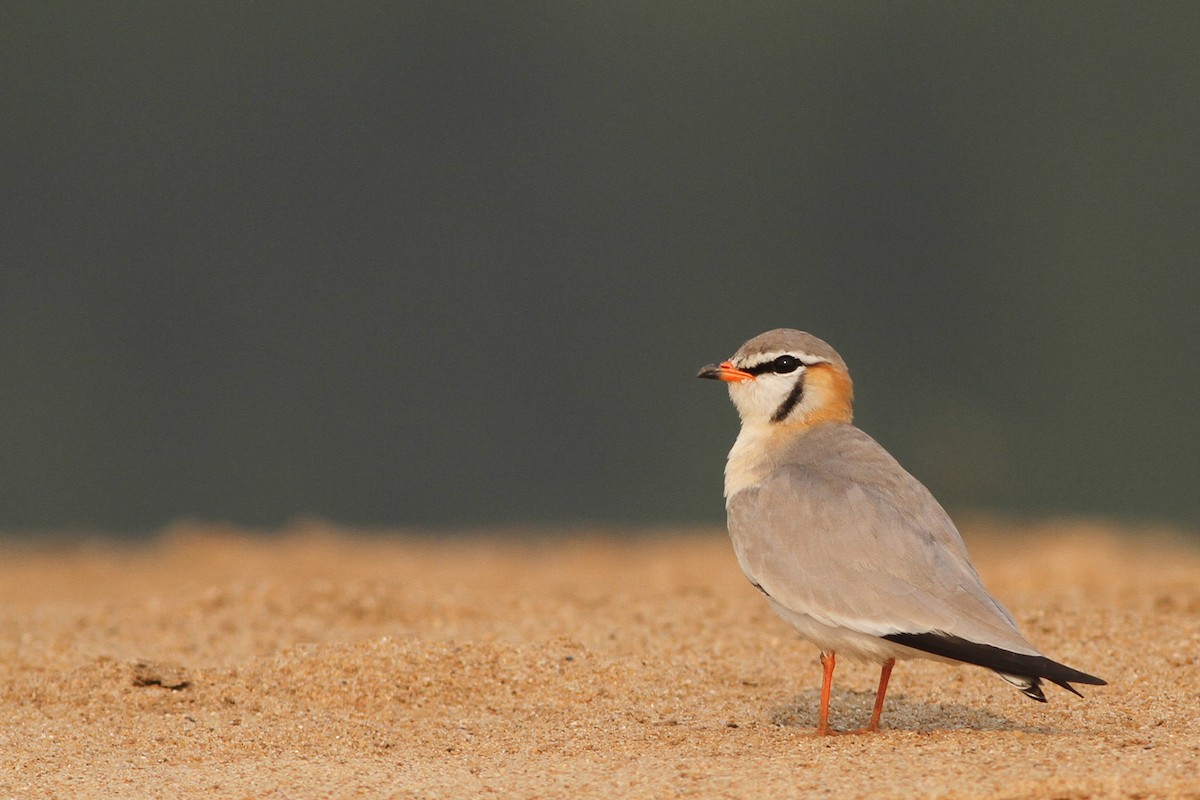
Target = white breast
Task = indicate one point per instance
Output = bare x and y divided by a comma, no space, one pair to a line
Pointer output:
749,461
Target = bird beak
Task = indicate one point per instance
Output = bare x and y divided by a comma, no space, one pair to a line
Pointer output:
725,371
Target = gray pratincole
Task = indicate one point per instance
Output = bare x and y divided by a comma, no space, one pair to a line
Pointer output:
847,546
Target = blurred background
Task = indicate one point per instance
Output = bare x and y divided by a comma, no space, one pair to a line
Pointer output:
456,263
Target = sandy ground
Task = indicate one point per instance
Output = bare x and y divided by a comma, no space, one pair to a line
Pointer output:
319,663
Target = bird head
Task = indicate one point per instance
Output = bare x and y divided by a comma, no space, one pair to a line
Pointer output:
786,377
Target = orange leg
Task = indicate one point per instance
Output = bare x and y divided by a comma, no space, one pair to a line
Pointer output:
884,674
827,661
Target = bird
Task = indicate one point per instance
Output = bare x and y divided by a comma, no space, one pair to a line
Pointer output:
846,545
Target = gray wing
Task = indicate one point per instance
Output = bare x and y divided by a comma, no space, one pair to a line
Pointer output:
848,537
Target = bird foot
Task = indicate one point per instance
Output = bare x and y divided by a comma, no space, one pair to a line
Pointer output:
855,732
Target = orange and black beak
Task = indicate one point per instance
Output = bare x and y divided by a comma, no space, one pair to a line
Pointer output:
725,371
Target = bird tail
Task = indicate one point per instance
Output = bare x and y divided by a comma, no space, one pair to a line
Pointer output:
1030,685
1021,670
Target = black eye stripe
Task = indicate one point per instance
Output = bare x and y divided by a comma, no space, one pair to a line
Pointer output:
779,366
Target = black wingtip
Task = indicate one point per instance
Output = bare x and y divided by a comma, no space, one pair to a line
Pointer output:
1012,666
1091,680
1070,688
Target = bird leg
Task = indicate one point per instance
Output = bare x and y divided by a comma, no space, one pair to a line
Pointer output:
884,674
828,661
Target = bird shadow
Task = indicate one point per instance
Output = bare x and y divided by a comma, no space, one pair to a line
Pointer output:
850,710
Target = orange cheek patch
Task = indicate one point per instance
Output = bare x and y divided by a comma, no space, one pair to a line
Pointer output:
835,392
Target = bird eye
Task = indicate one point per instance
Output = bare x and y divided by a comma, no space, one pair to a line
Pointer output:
785,364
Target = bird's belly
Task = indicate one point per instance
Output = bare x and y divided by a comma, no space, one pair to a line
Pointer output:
846,641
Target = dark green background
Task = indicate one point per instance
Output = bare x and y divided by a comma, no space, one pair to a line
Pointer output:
441,263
